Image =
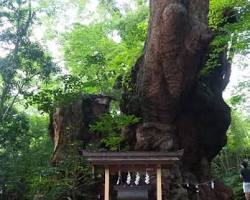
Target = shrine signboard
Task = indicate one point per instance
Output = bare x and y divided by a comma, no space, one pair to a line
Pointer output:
117,162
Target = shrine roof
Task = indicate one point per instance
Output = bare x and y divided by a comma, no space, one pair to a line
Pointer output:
132,158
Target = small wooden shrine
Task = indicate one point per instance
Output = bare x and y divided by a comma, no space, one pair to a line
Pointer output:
148,162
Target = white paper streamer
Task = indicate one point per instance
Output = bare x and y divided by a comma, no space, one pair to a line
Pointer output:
212,184
128,178
137,178
147,178
119,178
197,188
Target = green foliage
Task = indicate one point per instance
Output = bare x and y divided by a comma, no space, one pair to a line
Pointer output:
111,126
238,136
64,90
92,52
133,27
14,143
71,178
226,165
95,60
231,178
26,62
24,154
236,100
230,22
24,166
233,181
239,95
217,11
88,52
230,16
13,132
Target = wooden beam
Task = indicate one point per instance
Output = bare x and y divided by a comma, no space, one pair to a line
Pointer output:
159,186
106,189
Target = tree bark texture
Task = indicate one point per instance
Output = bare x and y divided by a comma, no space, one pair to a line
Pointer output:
180,108
70,123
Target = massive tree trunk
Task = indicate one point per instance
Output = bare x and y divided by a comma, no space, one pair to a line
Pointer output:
180,109
70,123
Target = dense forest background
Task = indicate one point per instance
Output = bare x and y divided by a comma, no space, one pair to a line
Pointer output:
52,51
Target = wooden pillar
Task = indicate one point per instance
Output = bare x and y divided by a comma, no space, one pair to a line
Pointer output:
106,189
159,186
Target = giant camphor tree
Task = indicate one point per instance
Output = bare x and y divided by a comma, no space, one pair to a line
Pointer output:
175,88
180,107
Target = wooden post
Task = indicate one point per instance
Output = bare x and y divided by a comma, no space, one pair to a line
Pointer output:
106,189
158,186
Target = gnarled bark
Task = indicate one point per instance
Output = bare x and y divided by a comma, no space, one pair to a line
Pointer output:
179,108
70,123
